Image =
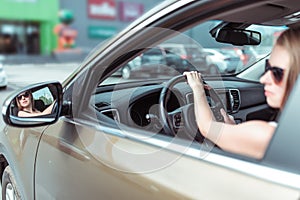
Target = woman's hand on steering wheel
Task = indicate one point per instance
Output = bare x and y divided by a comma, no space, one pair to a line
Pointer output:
194,79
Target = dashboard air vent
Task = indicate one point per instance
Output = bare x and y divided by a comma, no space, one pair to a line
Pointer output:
234,100
101,104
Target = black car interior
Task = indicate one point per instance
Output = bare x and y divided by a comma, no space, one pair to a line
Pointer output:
138,104
139,108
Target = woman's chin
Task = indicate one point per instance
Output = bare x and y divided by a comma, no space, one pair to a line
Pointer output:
273,104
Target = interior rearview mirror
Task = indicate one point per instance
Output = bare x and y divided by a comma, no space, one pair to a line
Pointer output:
238,36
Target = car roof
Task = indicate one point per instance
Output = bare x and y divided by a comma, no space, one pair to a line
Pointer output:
267,12
270,12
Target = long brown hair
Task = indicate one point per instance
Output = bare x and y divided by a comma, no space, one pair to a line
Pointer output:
290,41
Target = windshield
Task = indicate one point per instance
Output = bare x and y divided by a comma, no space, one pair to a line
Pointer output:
196,49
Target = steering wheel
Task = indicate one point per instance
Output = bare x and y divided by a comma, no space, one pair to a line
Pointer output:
182,120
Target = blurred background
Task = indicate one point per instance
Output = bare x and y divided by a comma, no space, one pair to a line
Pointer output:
64,30
34,28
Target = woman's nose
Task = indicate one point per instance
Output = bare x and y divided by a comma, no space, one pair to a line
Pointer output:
22,97
265,78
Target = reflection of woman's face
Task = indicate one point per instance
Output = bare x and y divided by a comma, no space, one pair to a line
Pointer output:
24,99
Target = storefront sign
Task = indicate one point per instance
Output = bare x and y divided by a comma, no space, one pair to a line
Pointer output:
130,11
102,9
102,32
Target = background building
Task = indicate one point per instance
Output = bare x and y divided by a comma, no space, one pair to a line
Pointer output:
26,26
97,20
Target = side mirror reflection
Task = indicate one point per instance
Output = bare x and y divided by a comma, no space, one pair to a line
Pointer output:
31,104
35,105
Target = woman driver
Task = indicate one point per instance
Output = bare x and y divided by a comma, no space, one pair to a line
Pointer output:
26,108
251,138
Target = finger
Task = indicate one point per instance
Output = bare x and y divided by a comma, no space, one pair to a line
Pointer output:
224,114
187,74
195,75
222,111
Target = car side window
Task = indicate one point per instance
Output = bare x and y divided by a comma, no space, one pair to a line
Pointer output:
194,49
131,96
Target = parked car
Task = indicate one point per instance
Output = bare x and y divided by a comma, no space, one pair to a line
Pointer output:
226,60
216,59
249,53
3,77
234,58
133,64
110,138
155,55
191,52
248,56
155,62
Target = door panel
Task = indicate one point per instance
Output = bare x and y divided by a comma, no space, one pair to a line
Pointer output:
75,162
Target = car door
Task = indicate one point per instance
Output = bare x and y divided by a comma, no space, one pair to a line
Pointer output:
87,156
84,155
282,151
79,158
101,165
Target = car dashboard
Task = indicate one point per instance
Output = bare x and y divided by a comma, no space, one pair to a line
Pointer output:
137,104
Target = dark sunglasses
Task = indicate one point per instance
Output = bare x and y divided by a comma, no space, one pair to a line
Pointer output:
25,95
277,72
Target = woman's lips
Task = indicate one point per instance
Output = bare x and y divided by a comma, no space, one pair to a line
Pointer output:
268,93
24,101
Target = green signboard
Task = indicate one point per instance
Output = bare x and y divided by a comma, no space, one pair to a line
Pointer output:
102,32
42,13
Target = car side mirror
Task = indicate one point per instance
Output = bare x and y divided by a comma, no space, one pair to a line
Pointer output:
238,37
36,105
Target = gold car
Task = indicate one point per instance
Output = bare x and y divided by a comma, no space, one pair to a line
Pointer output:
99,136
